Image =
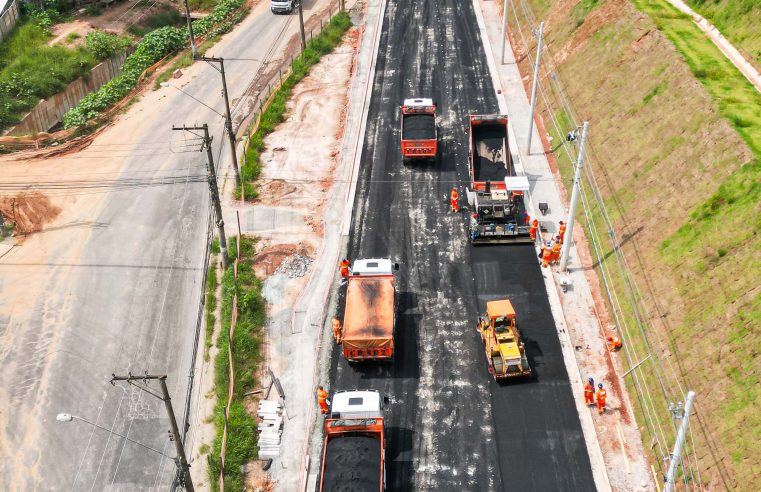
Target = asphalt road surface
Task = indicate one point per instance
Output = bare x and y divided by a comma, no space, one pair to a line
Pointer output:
126,300
450,426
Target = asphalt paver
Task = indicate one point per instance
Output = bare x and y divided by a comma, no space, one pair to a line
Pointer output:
449,425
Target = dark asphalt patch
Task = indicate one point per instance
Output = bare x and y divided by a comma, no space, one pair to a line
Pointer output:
450,426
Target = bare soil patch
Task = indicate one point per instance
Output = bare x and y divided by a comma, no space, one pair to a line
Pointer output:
28,213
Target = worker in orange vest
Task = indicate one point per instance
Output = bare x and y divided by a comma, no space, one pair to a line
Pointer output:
322,400
533,229
555,252
343,268
454,198
615,343
600,398
546,255
561,231
337,330
589,392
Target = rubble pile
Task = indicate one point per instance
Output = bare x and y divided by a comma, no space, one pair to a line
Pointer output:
294,266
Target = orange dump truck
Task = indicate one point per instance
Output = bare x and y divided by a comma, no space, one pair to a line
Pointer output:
369,316
419,136
353,450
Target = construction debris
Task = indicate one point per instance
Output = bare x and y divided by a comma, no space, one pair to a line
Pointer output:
295,265
270,428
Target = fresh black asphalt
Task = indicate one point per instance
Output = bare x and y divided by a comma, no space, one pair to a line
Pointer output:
449,425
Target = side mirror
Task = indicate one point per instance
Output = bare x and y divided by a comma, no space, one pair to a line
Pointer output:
396,266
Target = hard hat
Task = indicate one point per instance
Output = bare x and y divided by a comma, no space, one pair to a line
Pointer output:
549,244
599,385
475,216
610,339
319,387
562,222
591,381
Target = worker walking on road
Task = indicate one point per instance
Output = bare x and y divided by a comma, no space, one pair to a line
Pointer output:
337,330
615,344
532,230
589,392
600,398
343,268
322,400
454,200
561,231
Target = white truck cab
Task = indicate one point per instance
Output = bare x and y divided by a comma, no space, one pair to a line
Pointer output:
356,404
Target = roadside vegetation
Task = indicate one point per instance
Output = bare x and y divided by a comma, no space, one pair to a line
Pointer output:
31,70
274,112
153,47
212,282
246,345
738,20
677,164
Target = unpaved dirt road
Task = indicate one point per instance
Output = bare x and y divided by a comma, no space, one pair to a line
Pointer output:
113,284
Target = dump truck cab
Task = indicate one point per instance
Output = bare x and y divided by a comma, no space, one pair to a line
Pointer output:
505,351
353,453
370,312
419,137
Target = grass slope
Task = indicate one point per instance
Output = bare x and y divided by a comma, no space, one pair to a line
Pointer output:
674,143
738,20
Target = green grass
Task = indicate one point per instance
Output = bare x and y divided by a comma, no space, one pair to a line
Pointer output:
166,16
738,20
739,102
202,5
274,112
30,70
582,9
246,347
211,299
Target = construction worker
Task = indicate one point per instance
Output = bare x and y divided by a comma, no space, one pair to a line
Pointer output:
547,255
561,231
555,252
589,392
615,343
343,268
454,198
337,330
474,226
600,398
532,230
322,400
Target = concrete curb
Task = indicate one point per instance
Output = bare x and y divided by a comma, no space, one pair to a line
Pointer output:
599,471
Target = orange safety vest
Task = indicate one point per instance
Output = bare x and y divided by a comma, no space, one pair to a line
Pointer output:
454,196
601,395
344,266
616,343
588,389
336,329
322,396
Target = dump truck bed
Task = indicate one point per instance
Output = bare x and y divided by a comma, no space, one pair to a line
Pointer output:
369,316
352,462
419,126
491,157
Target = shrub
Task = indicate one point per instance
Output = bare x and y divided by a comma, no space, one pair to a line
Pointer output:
103,45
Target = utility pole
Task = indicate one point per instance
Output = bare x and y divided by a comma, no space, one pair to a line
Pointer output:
190,29
212,187
228,115
574,200
184,467
533,87
676,456
341,5
504,31
301,27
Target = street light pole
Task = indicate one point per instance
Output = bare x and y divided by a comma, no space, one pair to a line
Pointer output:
212,187
185,478
676,456
228,117
574,201
190,29
533,88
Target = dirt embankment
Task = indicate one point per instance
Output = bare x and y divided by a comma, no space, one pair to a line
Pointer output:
660,149
28,213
